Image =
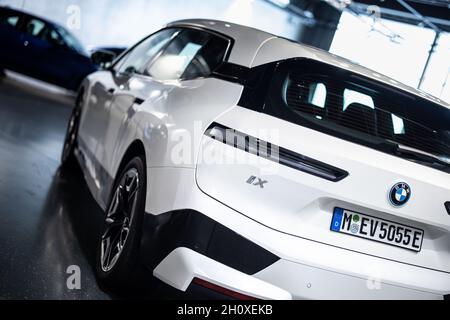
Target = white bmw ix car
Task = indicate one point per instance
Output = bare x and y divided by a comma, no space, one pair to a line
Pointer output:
237,164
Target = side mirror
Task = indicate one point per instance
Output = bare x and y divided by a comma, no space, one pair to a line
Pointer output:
103,58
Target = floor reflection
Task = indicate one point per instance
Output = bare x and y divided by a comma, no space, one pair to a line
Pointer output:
48,221
67,235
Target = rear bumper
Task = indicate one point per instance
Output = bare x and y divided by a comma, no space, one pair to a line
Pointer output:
217,244
282,281
243,267
183,265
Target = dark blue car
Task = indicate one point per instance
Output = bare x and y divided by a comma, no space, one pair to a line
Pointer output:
44,50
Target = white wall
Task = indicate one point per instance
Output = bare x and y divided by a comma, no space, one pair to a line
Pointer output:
404,59
437,79
123,22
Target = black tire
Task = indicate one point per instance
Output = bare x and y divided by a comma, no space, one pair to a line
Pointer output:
122,228
68,159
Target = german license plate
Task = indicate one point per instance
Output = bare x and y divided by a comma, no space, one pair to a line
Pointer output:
380,230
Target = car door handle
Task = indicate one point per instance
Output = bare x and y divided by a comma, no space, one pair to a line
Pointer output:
138,101
111,91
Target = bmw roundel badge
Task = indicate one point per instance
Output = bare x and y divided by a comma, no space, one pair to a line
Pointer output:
400,194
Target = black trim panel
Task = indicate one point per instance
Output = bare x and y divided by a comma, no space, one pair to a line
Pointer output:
232,73
274,153
447,206
139,101
194,230
106,181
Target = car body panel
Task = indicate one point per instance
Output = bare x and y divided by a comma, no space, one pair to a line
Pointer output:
175,188
111,122
301,204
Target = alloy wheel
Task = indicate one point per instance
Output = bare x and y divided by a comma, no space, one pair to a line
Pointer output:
119,219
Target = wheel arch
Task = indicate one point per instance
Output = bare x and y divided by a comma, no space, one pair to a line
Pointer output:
136,148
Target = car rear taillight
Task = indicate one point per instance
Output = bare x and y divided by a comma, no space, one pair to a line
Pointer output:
274,153
227,292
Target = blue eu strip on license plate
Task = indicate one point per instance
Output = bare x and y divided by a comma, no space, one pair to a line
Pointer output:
376,229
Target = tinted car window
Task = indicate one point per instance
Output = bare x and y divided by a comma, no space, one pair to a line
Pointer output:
144,52
9,19
191,54
70,40
361,110
207,59
352,96
53,37
35,27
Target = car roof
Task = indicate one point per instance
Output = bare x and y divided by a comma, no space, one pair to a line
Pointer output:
253,47
31,15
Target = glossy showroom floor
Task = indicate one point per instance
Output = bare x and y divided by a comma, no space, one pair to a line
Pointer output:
48,221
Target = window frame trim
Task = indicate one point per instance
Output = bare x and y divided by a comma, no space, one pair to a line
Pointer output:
181,27
123,56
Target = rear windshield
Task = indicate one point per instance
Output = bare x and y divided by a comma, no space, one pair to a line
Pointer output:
361,110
